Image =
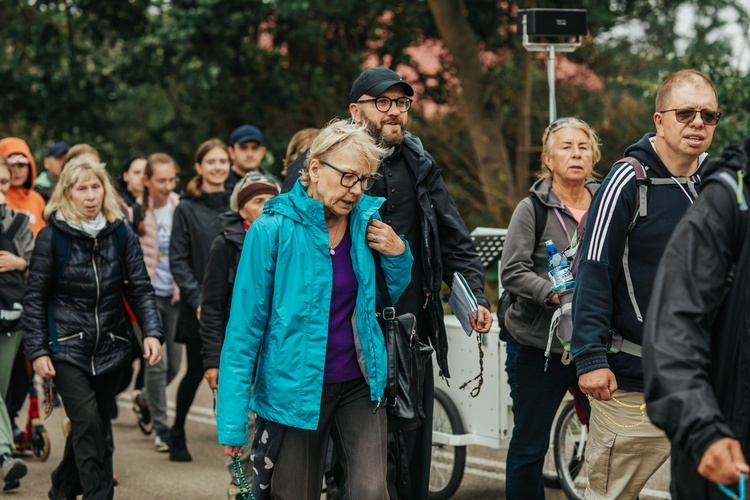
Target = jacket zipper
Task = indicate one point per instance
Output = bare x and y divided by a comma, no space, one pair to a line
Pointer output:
69,337
96,306
117,337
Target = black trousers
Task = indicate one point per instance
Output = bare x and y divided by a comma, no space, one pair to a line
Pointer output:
410,452
86,466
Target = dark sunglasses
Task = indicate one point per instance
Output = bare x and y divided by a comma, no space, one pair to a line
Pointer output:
687,115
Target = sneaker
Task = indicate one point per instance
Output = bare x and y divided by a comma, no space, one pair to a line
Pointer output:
13,470
143,414
160,443
66,427
12,485
178,451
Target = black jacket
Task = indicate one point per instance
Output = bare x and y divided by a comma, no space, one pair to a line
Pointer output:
447,245
87,299
602,294
697,334
217,287
195,225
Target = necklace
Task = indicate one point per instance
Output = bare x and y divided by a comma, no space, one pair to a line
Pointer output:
330,248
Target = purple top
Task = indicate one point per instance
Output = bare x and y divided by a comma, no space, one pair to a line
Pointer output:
341,355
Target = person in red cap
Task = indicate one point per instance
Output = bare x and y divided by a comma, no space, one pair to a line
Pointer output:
21,196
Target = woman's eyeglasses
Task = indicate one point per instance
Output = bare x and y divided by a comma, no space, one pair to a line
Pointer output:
350,179
687,115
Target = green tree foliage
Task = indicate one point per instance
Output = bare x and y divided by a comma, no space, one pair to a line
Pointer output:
164,75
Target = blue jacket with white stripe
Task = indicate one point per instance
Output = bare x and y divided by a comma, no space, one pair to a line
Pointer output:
603,299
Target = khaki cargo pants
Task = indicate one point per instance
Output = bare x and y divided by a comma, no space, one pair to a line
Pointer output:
620,455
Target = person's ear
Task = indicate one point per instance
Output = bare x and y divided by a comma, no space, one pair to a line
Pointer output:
356,112
230,152
659,123
199,169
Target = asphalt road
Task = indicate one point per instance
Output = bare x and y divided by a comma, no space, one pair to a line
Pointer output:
145,474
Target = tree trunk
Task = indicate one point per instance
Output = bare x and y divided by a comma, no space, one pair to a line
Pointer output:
483,120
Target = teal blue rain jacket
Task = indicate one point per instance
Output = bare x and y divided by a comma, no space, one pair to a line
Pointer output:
280,309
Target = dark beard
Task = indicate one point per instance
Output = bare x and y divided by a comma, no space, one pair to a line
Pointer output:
386,142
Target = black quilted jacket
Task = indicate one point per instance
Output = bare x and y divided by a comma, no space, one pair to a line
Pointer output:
87,300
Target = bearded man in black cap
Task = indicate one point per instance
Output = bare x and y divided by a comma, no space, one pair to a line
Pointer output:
418,206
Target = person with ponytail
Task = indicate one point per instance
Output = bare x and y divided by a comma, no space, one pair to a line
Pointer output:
158,204
195,225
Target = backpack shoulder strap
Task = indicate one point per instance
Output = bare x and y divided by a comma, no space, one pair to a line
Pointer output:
120,242
736,185
18,222
642,181
60,250
540,218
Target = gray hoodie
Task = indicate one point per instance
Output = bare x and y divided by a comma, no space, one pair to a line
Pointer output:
524,267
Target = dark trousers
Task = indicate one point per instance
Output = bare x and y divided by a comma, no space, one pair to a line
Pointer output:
359,436
86,465
189,383
410,452
536,397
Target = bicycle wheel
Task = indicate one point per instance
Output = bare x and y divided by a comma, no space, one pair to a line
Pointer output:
570,452
448,462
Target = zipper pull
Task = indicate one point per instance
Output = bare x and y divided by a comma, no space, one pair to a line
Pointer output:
380,400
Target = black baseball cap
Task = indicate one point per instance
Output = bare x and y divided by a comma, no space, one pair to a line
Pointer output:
57,149
247,133
375,81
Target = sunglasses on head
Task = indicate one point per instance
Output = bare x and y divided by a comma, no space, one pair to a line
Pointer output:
687,115
561,122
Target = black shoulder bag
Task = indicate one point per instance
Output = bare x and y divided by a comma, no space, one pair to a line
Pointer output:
407,357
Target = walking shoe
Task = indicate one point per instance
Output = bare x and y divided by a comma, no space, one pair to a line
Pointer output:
12,485
143,414
160,443
178,451
13,470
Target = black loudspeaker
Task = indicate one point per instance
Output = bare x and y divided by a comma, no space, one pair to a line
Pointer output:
553,22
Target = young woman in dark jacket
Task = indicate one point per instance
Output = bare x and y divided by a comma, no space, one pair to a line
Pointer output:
195,225
246,204
85,261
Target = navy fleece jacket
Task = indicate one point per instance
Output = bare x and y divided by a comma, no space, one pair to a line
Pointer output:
601,299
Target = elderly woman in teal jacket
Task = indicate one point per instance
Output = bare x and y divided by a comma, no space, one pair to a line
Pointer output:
304,309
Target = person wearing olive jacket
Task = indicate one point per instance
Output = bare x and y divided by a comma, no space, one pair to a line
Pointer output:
85,261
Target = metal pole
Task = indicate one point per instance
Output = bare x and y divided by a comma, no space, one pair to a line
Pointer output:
551,82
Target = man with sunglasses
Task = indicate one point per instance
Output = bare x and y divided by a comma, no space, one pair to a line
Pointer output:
629,224
418,206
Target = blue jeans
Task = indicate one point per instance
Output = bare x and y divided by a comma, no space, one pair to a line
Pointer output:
536,397
158,377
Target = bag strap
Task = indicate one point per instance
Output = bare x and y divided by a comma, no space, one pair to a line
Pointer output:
385,295
18,222
540,218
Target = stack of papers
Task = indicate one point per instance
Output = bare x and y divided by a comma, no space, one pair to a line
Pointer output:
462,302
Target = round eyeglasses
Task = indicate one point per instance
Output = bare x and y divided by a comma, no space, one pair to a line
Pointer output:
350,179
384,104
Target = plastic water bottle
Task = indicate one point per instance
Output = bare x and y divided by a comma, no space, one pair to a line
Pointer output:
558,269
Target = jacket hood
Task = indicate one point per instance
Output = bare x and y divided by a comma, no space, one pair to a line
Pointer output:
212,200
735,157
299,206
542,189
644,151
14,145
234,230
